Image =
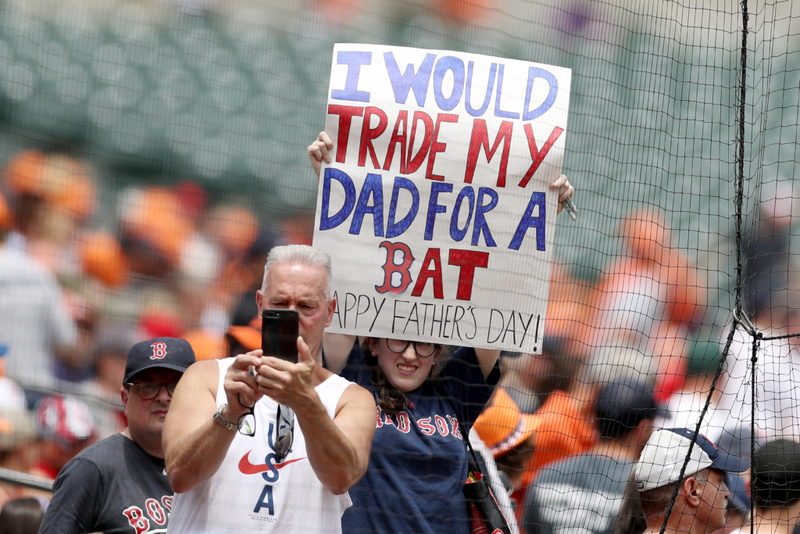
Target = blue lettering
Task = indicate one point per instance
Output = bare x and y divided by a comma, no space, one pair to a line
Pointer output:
533,73
479,112
401,83
373,187
528,221
353,60
434,207
265,500
480,221
326,222
465,194
393,228
497,111
455,65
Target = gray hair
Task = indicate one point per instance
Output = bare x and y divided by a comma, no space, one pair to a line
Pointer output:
304,255
656,500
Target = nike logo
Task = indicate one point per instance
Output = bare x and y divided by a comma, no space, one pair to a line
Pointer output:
253,469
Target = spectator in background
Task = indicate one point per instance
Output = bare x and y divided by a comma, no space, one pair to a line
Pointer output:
24,180
109,355
650,298
53,196
120,485
530,379
17,435
738,519
776,487
74,363
242,339
509,435
34,320
767,262
685,406
22,516
631,518
563,422
777,409
65,427
584,492
252,268
699,507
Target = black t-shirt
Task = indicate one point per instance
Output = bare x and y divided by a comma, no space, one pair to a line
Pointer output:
112,487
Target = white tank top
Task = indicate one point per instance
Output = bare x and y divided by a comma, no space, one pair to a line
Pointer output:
250,493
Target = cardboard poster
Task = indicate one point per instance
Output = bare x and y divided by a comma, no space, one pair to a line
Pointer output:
436,208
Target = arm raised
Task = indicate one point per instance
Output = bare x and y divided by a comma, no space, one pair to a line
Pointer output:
338,448
194,444
318,152
336,348
487,358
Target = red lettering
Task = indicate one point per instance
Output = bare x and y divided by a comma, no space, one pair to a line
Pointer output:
368,133
536,155
467,260
391,269
156,512
346,114
434,272
426,427
378,412
398,138
436,146
166,500
136,519
387,420
159,350
415,162
480,139
403,422
454,429
441,425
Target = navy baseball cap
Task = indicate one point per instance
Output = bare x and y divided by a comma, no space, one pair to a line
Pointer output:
163,352
663,457
627,403
740,500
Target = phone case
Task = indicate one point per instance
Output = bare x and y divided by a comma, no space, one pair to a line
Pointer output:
279,330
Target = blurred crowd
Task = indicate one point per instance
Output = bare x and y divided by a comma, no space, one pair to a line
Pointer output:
81,281
79,286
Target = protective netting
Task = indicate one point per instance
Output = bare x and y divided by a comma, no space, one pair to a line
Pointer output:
154,151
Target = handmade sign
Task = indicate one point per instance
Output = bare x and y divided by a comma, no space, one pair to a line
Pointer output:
436,208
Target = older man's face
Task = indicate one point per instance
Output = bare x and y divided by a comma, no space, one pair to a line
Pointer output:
300,287
714,501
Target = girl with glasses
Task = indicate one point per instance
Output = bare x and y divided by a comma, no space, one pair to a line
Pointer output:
418,462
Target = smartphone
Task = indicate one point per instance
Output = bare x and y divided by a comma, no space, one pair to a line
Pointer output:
279,331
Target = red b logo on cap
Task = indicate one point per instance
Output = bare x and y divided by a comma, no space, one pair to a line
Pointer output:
159,350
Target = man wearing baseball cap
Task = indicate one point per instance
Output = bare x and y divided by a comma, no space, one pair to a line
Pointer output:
119,485
584,493
776,486
701,503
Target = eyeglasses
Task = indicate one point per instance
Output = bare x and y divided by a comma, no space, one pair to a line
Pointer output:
247,422
150,390
423,349
284,432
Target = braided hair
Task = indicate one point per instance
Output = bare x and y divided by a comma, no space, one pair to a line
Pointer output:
390,399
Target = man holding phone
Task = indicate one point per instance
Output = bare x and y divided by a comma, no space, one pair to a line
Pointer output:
260,441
